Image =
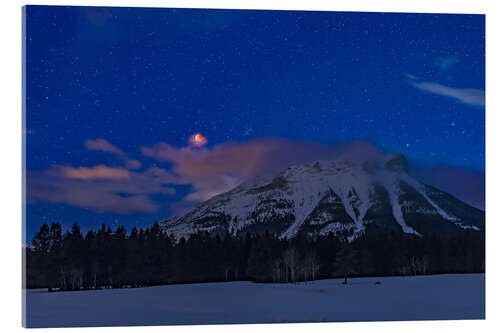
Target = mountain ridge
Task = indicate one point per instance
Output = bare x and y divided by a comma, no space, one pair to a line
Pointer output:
338,196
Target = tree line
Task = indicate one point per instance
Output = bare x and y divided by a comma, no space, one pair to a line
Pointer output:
109,258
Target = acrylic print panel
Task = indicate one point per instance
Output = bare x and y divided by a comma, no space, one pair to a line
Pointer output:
191,166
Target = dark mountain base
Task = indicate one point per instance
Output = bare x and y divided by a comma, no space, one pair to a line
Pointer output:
144,258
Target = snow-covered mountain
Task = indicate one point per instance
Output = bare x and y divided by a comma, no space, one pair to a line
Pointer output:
343,197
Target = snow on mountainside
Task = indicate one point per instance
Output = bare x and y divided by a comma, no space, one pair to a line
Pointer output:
339,196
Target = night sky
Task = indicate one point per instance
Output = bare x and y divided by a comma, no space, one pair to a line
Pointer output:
113,96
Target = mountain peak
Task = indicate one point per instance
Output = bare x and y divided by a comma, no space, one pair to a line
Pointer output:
398,163
331,196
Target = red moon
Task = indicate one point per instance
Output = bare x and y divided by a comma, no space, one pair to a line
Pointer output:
197,140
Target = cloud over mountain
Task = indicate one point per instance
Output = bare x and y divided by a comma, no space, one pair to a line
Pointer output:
209,171
215,170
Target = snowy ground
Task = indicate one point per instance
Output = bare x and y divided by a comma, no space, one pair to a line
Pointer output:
458,296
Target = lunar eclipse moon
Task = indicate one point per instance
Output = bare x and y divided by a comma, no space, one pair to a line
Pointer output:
197,140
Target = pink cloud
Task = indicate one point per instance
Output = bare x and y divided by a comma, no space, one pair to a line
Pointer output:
100,188
133,164
216,170
82,195
97,172
103,145
106,146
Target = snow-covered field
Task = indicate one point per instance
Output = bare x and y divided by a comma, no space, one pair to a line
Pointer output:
460,296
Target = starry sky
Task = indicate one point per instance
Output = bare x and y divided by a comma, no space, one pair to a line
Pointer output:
115,95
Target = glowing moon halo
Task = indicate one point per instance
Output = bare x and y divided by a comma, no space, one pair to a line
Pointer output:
197,140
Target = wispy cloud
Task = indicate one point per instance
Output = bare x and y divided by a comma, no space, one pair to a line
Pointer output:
103,145
97,172
468,96
106,146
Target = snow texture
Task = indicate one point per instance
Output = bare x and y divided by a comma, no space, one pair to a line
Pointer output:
437,297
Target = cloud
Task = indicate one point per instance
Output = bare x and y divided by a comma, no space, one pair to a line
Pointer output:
210,171
217,170
221,168
84,196
467,96
410,76
133,164
97,172
105,146
100,188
